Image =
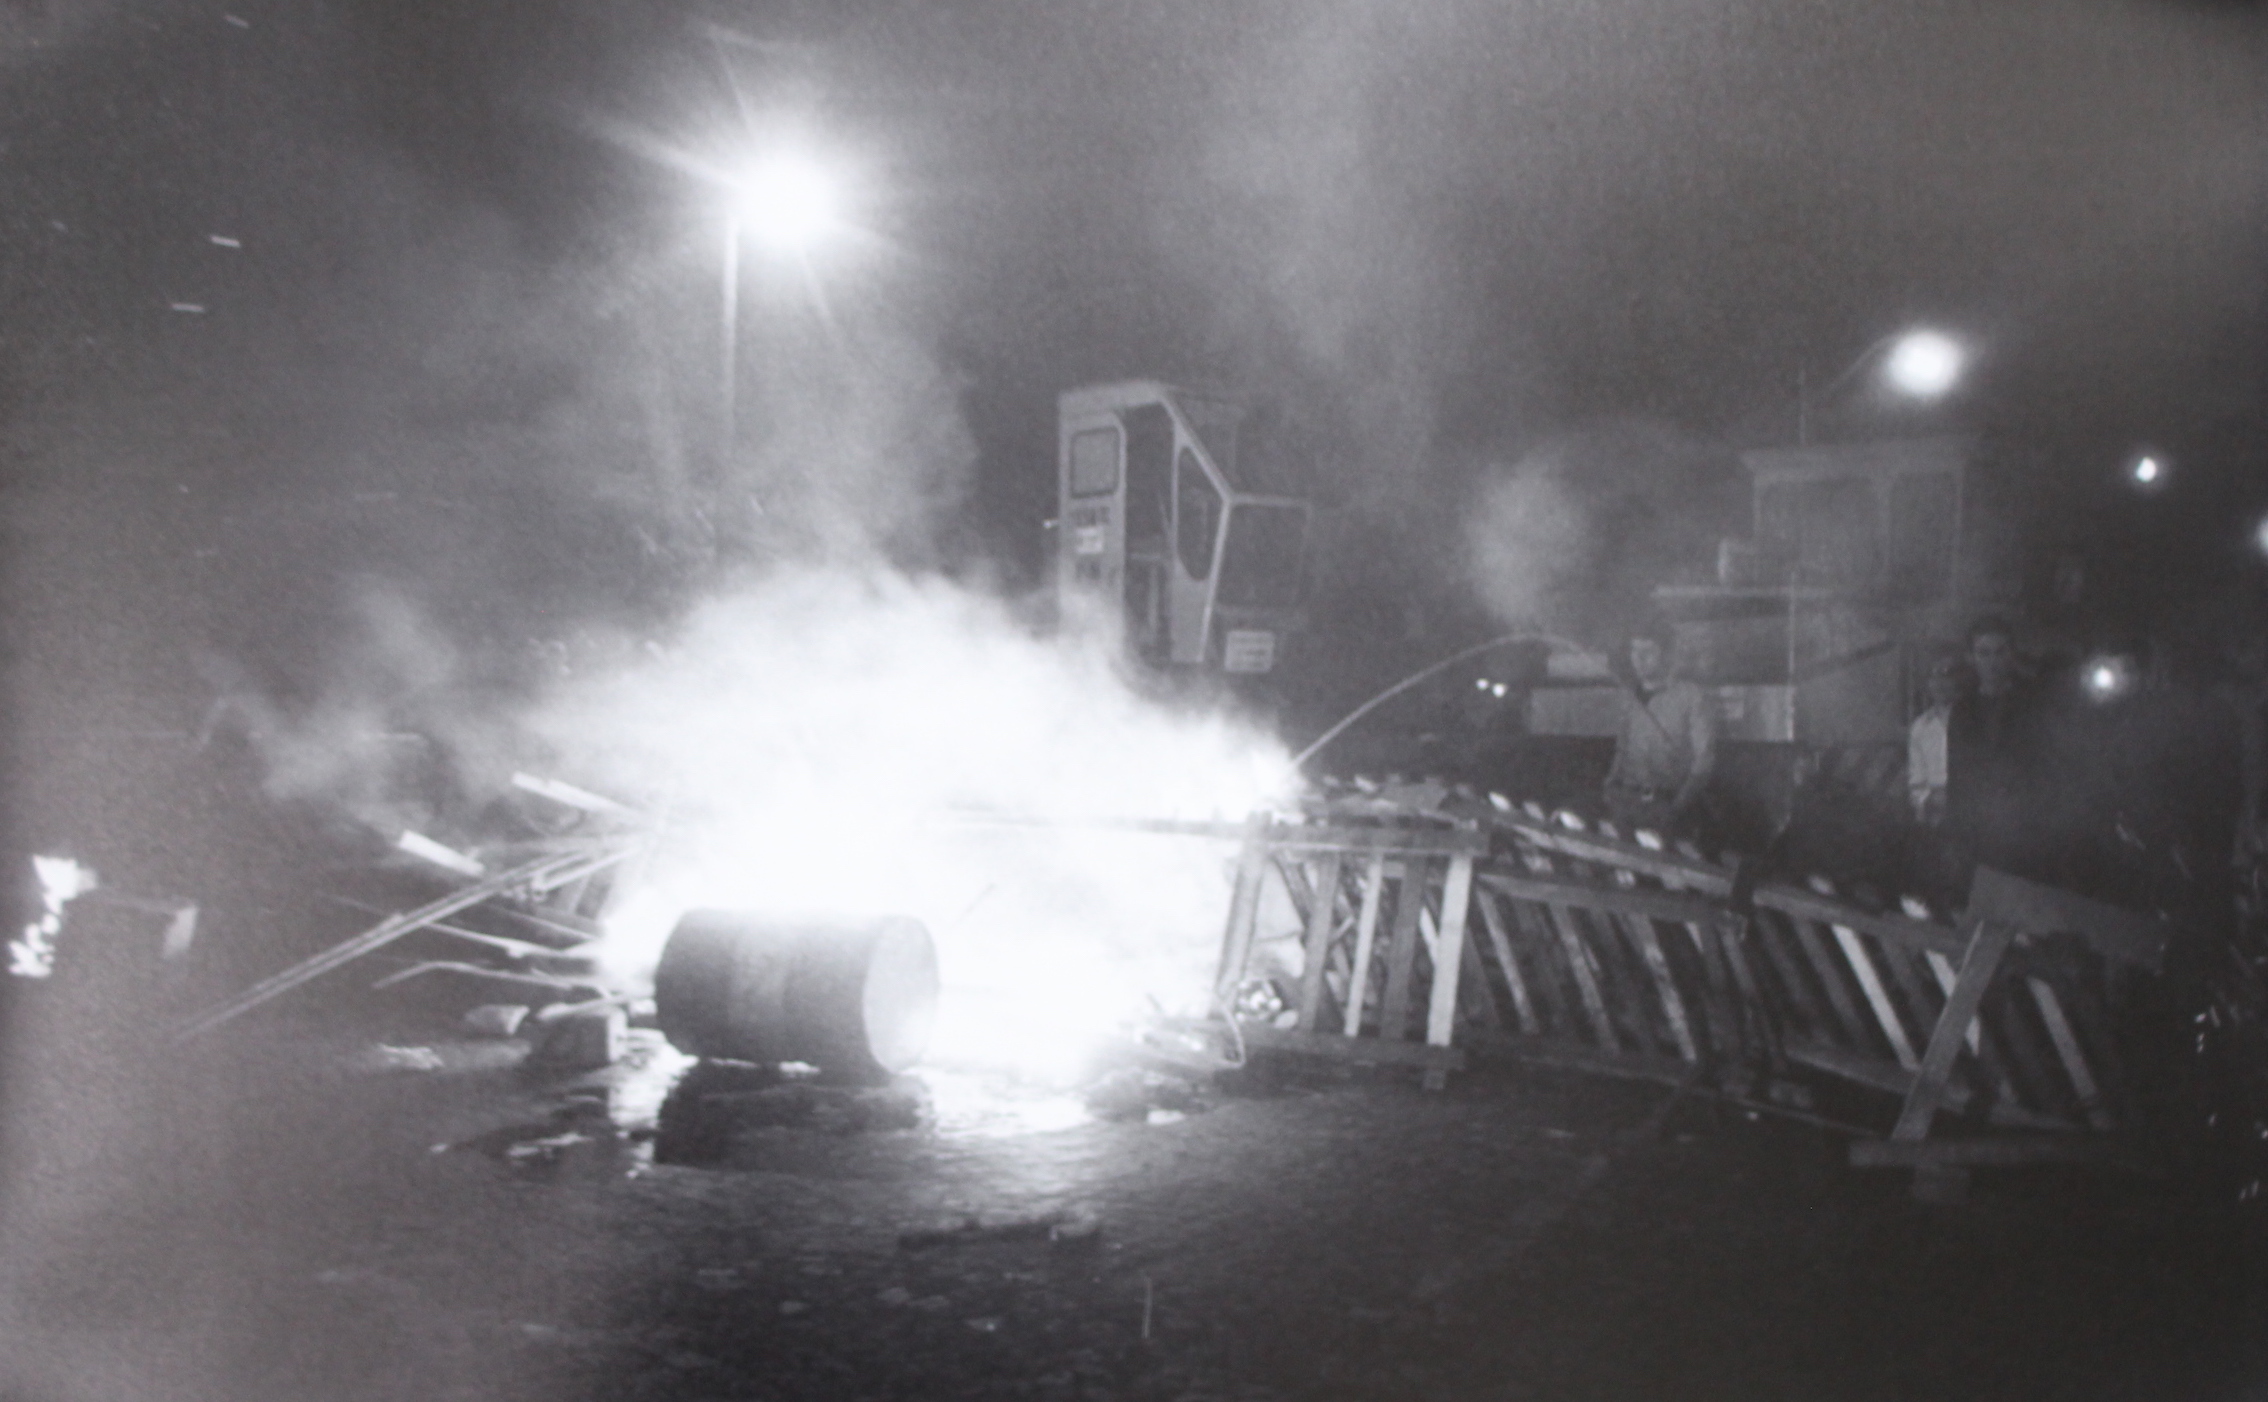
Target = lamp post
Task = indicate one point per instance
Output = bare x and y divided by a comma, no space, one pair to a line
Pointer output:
788,202
1922,365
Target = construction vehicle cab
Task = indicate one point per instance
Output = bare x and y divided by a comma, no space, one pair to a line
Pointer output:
1814,636
1200,550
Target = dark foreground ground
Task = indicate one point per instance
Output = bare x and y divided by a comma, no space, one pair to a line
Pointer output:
268,1216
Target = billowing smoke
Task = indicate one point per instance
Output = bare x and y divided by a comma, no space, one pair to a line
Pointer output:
846,741
1576,535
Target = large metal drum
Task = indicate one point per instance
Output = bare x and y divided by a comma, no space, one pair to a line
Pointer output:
855,998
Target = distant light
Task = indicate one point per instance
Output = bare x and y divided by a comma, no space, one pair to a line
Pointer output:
789,201
1500,688
2108,678
2146,470
1925,364
2260,536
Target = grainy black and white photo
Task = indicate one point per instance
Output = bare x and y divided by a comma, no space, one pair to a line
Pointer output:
1133,700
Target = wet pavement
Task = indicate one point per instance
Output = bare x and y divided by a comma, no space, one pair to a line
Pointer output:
288,1213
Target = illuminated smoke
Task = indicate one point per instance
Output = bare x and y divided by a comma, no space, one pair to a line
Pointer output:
828,741
1577,535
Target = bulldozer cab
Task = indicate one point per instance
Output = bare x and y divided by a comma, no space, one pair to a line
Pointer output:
1201,551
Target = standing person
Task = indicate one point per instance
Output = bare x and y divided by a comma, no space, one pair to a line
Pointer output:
1667,748
1994,739
1925,742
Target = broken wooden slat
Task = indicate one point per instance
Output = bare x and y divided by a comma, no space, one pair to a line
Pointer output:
1877,996
1988,943
1449,956
1401,952
1500,943
2067,1050
1321,915
1366,940
392,928
1244,910
1586,981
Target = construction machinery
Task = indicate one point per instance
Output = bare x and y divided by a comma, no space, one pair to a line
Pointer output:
1195,540
1812,637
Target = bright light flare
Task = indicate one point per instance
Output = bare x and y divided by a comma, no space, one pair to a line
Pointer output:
2108,678
2146,470
788,201
843,745
2260,536
1925,364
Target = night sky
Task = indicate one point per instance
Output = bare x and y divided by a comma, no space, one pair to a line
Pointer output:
455,304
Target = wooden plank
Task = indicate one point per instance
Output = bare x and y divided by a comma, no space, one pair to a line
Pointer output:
2122,935
1750,1005
1244,910
1674,906
1322,916
1877,996
2067,1051
1449,953
2009,1022
1586,982
1366,940
1642,933
1900,930
1401,952
1830,981
1695,874
1988,944
1371,1050
1774,934
1535,925
392,928
1476,1001
1500,943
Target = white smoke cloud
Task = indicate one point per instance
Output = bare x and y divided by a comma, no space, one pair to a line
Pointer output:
829,741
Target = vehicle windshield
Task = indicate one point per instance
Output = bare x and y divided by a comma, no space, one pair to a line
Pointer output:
1261,564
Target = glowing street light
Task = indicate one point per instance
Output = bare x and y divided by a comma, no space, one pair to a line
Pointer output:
2146,470
791,203
1922,364
788,201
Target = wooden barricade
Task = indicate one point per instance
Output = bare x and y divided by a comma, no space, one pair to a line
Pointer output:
1384,910
1623,955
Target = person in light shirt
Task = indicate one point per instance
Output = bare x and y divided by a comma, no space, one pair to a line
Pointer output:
1925,743
1668,746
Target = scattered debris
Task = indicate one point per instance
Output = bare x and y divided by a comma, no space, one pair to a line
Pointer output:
418,845
495,1019
388,1058
580,1039
61,881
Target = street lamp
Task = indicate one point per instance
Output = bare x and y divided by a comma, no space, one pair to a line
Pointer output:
1922,364
788,201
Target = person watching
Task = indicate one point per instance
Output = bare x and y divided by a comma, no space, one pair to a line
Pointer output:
1667,747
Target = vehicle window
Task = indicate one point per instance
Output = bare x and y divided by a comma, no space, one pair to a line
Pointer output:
1094,462
1149,477
1260,564
1197,515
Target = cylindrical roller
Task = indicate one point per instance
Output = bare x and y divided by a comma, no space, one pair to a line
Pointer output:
855,998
